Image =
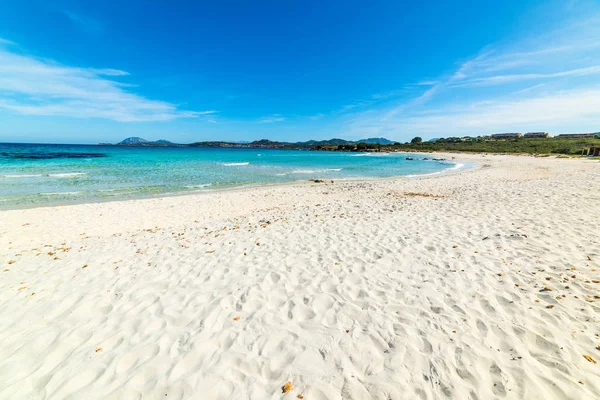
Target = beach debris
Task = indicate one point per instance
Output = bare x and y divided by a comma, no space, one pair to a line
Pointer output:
11,262
99,349
85,266
347,330
258,243
589,258
317,180
550,306
589,358
209,251
287,387
300,396
546,289
455,246
548,278
236,318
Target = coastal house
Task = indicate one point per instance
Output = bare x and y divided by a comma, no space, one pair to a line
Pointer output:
531,135
576,135
593,151
506,135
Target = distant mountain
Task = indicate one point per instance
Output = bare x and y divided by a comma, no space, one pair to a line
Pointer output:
379,140
162,142
138,141
134,140
330,142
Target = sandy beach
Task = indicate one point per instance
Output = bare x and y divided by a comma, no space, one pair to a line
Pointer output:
483,284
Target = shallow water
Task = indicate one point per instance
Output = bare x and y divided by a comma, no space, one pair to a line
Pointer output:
33,174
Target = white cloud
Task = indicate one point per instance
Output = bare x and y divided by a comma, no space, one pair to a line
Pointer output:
34,86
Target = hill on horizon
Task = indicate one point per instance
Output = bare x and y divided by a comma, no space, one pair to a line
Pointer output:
139,141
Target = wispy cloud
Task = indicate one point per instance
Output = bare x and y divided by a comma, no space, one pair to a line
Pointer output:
108,72
271,119
559,110
521,85
502,79
34,86
84,22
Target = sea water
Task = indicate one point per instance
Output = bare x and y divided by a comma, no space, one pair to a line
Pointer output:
38,174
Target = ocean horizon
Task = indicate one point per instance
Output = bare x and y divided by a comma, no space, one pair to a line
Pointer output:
44,174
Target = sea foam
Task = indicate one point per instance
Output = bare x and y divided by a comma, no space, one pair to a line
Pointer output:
314,171
203,185
22,176
67,175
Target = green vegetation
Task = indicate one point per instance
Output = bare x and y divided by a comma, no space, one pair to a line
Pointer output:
486,145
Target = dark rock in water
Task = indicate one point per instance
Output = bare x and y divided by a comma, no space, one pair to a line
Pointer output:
48,155
409,158
439,159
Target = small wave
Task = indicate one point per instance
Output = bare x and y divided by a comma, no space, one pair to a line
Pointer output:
315,171
59,193
422,175
457,166
371,155
198,186
67,175
235,164
453,168
22,176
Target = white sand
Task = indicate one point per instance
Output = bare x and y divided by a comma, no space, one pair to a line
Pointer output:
356,291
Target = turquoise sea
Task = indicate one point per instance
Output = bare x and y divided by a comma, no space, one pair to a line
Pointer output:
38,174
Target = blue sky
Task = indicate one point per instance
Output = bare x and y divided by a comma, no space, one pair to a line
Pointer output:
84,72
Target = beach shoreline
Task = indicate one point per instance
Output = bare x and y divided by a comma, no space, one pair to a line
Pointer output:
482,283
248,186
